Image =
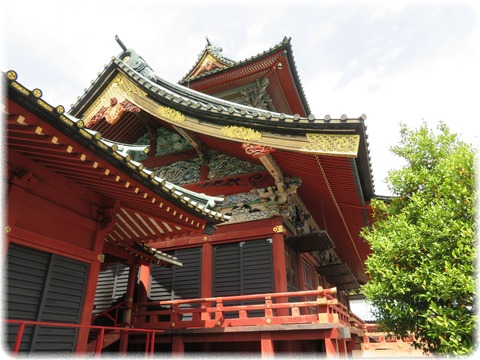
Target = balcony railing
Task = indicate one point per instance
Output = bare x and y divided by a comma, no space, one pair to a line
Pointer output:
99,344
246,310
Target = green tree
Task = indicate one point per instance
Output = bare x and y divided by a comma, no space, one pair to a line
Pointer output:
422,265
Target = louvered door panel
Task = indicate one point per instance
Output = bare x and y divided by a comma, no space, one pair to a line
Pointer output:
112,284
44,287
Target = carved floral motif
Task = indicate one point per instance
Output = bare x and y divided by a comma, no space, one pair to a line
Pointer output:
241,132
257,151
112,113
333,143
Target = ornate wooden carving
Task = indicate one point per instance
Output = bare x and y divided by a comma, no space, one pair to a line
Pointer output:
112,113
257,151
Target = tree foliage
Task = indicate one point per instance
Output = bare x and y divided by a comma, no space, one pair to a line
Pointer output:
422,266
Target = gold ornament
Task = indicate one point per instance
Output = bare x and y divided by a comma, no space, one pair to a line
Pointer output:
333,144
240,132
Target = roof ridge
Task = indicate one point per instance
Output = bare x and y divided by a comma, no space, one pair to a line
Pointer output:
185,78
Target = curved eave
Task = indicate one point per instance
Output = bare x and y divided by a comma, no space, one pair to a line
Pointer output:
237,64
207,50
215,117
74,129
209,114
254,64
296,78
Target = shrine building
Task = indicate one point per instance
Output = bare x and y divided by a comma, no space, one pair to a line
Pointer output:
212,215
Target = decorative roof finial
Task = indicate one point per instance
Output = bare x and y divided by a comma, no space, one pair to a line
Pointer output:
122,45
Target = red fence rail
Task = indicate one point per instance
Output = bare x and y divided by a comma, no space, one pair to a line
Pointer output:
149,333
111,313
245,310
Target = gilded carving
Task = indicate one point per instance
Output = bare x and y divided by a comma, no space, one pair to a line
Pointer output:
113,112
37,93
45,105
170,114
66,120
20,88
333,144
241,132
121,88
12,75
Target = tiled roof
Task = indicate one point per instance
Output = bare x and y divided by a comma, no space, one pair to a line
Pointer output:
218,110
197,204
285,43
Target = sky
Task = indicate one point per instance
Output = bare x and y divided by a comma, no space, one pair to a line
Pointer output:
395,61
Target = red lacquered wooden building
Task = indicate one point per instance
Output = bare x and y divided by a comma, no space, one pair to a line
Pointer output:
231,210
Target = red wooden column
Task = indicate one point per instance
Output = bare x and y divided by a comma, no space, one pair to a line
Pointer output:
127,315
342,347
144,282
206,275
331,348
178,347
301,281
143,288
91,288
279,266
266,344
278,252
351,345
207,269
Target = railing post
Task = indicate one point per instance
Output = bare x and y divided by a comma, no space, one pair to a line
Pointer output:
18,340
219,312
147,343
204,315
174,318
322,306
99,346
152,343
268,309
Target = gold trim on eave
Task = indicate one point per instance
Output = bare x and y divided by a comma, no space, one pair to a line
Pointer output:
170,114
240,132
333,144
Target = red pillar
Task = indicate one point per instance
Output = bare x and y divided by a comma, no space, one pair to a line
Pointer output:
331,349
144,282
206,276
127,315
178,347
143,288
351,345
207,270
342,347
279,266
301,281
91,288
266,343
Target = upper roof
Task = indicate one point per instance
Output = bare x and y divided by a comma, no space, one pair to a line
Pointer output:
220,118
213,73
210,60
330,155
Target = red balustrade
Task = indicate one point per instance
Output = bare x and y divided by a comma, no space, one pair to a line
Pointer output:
149,333
111,313
244,310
